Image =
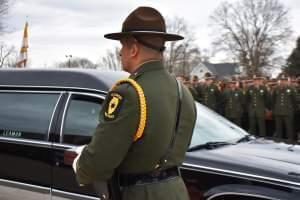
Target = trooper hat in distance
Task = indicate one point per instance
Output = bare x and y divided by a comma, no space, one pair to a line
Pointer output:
144,21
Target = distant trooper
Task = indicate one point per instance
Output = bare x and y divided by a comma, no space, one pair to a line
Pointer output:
284,105
185,80
297,117
258,103
210,94
147,120
233,99
192,85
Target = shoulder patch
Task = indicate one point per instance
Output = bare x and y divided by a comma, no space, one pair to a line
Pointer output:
113,106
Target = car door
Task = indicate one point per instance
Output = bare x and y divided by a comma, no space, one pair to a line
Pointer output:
78,123
25,124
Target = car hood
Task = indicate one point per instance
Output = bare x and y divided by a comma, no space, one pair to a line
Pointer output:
258,158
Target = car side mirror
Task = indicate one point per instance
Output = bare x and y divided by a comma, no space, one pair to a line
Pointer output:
69,156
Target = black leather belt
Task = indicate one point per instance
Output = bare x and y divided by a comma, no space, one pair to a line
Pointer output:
151,177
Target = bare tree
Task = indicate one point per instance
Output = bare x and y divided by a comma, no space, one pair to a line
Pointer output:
251,31
8,56
111,61
77,62
181,57
4,5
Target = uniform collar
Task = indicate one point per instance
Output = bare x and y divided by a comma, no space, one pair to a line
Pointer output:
147,66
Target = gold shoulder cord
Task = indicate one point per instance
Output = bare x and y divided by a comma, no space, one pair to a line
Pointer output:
142,102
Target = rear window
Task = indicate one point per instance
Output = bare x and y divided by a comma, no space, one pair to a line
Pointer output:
81,119
26,115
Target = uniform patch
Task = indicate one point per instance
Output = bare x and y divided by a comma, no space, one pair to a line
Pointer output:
113,106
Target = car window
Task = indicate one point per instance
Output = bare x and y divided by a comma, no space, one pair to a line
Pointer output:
82,118
212,127
26,115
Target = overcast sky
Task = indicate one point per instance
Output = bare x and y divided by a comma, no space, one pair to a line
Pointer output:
76,27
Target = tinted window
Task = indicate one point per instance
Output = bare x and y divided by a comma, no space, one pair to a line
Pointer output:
26,115
81,120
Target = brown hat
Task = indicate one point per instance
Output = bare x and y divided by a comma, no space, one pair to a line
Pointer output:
283,77
256,77
232,82
144,21
211,77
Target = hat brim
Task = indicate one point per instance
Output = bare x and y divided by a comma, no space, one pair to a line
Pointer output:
259,78
165,36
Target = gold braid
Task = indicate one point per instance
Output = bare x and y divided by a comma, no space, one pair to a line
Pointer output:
142,102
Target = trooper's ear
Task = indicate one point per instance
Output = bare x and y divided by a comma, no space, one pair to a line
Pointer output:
134,50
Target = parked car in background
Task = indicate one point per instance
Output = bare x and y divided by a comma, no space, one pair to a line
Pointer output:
45,113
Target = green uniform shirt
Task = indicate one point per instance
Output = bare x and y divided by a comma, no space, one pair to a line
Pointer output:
211,96
258,100
233,102
112,148
194,93
284,100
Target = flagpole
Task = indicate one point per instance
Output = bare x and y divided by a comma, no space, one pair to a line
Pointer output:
22,61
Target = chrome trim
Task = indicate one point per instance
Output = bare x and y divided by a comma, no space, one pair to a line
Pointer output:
54,87
23,185
70,194
88,94
63,146
54,110
30,91
241,194
239,174
63,119
26,141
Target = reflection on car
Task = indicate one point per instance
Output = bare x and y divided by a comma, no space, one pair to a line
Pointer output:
45,113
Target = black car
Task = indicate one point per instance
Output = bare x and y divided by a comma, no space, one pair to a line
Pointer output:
45,113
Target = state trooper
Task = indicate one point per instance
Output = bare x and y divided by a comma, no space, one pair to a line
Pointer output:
233,99
284,105
210,94
147,120
258,103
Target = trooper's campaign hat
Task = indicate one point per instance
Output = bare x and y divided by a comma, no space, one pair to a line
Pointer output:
144,21
209,76
232,82
256,77
283,77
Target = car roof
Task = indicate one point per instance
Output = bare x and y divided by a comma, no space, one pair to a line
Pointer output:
91,79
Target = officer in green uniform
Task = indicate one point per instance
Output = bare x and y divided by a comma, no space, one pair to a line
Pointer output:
210,94
284,105
258,103
147,121
189,84
270,119
194,83
297,118
233,98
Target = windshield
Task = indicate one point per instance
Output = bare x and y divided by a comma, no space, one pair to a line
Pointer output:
212,127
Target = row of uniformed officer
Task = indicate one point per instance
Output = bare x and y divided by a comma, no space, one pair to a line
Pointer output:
284,102
258,101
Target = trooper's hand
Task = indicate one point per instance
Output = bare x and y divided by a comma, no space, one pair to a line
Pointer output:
78,150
